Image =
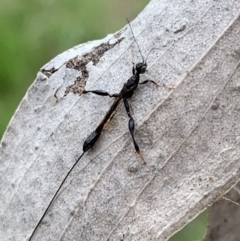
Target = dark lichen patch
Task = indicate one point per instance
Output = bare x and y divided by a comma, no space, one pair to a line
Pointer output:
80,64
77,87
94,56
49,72
215,106
4,144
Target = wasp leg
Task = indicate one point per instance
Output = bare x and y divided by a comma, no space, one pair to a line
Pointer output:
131,126
153,82
100,92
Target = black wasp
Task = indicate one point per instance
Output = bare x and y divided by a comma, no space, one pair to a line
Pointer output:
125,94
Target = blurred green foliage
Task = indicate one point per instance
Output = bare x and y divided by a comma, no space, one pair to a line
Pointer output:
34,32
193,231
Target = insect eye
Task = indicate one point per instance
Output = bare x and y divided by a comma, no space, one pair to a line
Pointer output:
143,69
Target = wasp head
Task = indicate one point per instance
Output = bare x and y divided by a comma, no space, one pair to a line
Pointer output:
141,68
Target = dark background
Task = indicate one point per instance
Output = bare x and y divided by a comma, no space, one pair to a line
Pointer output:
33,32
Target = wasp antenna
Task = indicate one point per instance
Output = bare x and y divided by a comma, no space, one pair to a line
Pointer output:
135,40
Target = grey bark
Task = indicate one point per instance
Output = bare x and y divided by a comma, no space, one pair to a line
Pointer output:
189,135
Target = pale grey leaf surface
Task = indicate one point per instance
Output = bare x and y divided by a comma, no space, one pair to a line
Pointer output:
189,135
